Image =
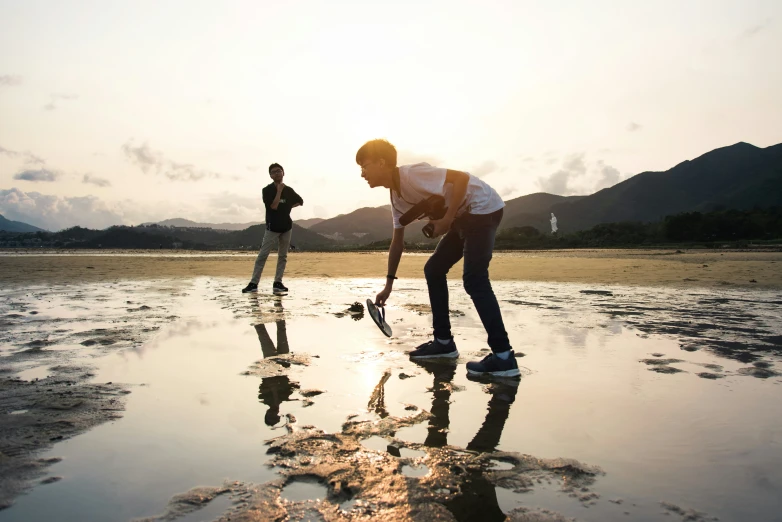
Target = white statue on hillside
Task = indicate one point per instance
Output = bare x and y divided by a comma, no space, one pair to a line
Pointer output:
553,223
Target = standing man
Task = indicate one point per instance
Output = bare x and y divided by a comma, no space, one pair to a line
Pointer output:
474,211
279,199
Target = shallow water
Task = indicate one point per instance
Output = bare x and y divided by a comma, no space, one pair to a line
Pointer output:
214,373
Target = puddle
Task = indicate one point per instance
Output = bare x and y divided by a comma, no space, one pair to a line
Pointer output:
507,500
41,372
304,489
230,387
415,471
501,466
407,453
376,443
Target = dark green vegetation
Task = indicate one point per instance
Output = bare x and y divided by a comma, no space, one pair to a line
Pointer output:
155,236
712,229
732,227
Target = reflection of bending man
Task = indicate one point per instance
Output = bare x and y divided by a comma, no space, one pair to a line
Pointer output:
274,390
478,498
503,394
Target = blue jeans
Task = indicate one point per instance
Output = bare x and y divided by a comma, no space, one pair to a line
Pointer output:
472,237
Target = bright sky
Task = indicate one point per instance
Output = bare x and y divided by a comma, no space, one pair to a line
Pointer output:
131,111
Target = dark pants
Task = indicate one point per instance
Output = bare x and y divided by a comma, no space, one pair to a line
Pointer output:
471,237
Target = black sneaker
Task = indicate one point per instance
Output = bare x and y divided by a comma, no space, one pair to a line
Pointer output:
278,288
493,365
435,348
251,287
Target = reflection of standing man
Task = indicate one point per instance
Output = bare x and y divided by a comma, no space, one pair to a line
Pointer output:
279,200
553,223
277,389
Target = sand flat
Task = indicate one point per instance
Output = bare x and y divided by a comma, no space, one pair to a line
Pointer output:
624,267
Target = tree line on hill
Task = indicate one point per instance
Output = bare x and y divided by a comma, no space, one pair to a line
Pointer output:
707,229
693,228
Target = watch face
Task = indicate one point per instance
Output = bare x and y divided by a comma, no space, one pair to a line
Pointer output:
378,315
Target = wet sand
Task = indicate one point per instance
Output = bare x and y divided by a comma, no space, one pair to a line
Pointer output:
623,267
182,399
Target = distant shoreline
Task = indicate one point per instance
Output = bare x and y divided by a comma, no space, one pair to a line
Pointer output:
755,268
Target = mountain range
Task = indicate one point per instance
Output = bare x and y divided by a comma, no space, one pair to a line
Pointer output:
6,225
740,176
186,223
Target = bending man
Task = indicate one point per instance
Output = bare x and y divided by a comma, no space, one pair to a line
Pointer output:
474,211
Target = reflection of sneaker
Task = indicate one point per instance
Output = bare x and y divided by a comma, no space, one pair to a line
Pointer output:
251,287
435,348
278,288
493,365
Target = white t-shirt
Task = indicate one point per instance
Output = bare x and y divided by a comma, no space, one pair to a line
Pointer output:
419,181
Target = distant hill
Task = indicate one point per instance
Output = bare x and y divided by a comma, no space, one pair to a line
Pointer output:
307,223
301,237
372,224
156,236
186,223
7,225
740,176
532,210
361,226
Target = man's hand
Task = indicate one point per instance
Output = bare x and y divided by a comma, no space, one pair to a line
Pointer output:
441,226
280,186
382,297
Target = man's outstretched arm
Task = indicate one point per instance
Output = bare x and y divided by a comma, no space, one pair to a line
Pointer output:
394,255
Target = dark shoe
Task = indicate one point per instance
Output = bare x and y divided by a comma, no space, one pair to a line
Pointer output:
251,287
493,365
435,348
278,288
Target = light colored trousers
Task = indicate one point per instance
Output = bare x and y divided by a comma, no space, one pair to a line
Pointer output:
269,238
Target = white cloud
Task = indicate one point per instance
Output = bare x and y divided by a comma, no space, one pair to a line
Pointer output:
28,156
56,212
609,176
54,98
37,175
149,160
95,180
406,157
226,207
507,191
576,176
561,181
484,169
755,29
633,126
10,79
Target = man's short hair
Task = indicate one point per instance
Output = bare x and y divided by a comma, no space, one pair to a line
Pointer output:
377,149
275,166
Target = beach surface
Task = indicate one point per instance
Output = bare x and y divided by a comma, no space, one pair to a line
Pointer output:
145,386
624,267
